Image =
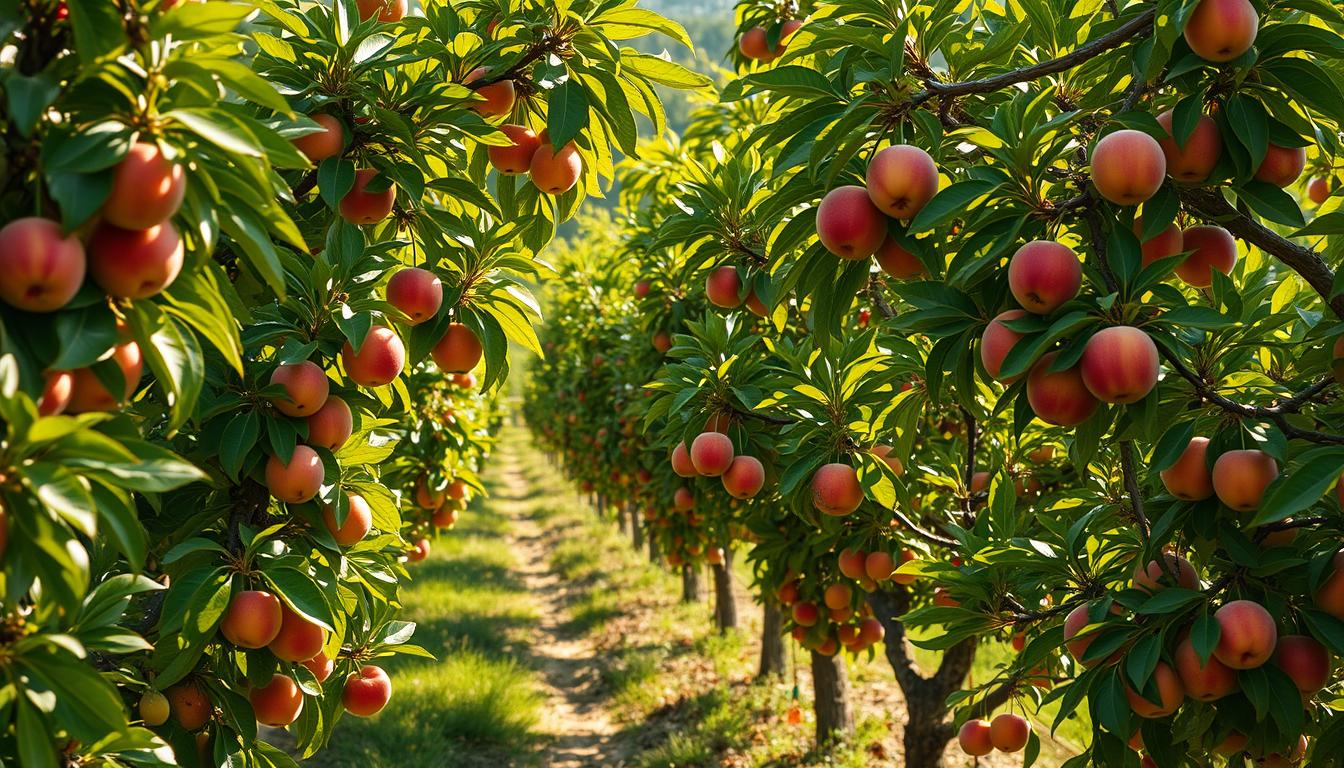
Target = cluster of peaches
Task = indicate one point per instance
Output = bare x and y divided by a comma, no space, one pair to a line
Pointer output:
847,621
711,455
755,42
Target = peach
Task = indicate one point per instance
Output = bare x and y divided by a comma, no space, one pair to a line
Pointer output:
1291,760
331,425
306,387
681,461
838,596
879,566
298,480
1154,576
135,263
1318,190
1248,634
683,500
419,551
379,360
805,614
147,189
1169,690
642,289
325,143
358,522
418,293
1044,275
1189,478
1077,646
1009,732
1060,398
744,478
387,10
1234,743
901,180
1282,165
458,351
723,288
1304,660
1329,597
976,738
359,206
754,43
1119,365
905,579
41,269
836,489
252,619
661,342
1222,30
1193,161
711,453
898,262
1211,248
556,171
277,703
1203,681
191,707
871,631
298,639
851,563
883,452
755,304
1128,166
56,391
366,692
154,708
497,97
516,158
87,393
849,225
1240,478
787,593
1168,242
444,517
997,341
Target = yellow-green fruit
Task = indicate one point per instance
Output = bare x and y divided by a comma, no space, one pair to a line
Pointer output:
154,708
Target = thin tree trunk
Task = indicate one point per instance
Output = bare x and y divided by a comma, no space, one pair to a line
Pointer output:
636,530
830,685
772,639
725,605
653,548
691,591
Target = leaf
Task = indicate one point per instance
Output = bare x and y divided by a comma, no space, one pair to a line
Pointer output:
1271,203
1297,488
951,202
567,112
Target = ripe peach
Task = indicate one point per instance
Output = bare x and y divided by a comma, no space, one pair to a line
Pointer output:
1318,190
1248,634
379,360
277,703
418,293
681,461
298,480
147,189
806,614
1203,681
1154,576
997,341
1329,596
154,708
683,500
1291,760
979,482
457,489
1074,623
744,478
328,142
883,452
642,289
754,43
1059,398
298,639
787,593
458,351
320,665
1044,275
360,206
1128,166
331,425
1304,660
40,268
444,517
1234,743
191,707
1282,165
898,262
711,453
387,10
976,738
135,263
723,287
1119,364
661,342
879,566
252,619
1170,694
426,497
905,579
419,551
1195,160
852,563
755,304
366,691
871,631
358,522
1009,732
901,180
1240,478
836,489
1222,30
87,393
306,387
1189,478
838,596
55,392
556,171
1212,248
516,158
498,97
849,225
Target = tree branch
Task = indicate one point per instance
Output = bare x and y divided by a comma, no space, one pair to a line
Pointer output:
1132,489
923,533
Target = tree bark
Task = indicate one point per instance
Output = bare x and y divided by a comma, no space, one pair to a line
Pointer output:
653,547
772,638
691,591
725,605
830,686
636,530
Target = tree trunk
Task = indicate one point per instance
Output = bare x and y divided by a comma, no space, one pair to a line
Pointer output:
621,518
636,530
653,547
772,639
830,685
691,591
725,605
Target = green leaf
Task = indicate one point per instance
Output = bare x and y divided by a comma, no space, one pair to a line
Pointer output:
29,99
950,203
1271,203
567,112
1300,486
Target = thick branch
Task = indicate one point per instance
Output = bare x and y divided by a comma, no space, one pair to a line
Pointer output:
1132,489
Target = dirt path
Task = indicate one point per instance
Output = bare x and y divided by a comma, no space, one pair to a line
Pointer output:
581,730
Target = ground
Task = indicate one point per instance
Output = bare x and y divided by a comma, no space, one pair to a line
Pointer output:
559,645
